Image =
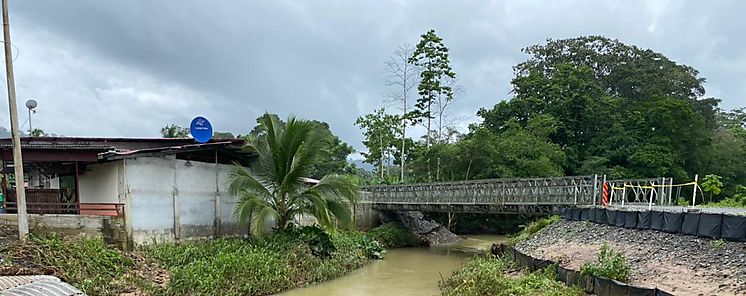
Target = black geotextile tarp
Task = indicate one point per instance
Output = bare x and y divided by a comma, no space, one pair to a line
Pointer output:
672,222
611,217
690,223
585,214
620,217
656,220
710,225
576,214
566,213
630,219
734,228
590,284
643,220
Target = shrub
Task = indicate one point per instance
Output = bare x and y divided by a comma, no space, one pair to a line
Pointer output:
533,228
488,276
611,264
393,235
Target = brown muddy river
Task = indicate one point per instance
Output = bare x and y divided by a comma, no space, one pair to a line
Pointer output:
407,271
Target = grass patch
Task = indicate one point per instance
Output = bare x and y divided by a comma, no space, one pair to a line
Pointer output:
393,235
611,264
533,228
495,276
87,263
260,266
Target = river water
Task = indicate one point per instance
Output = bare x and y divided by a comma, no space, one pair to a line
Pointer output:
406,271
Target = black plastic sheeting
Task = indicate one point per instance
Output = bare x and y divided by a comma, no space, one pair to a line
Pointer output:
630,219
590,284
672,222
733,228
708,225
690,224
656,220
643,220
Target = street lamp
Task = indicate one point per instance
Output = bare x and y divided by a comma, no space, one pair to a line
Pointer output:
31,106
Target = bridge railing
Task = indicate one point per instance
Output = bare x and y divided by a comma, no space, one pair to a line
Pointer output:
576,190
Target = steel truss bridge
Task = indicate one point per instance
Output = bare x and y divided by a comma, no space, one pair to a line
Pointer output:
517,195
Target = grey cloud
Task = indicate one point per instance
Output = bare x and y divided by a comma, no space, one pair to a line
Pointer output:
125,68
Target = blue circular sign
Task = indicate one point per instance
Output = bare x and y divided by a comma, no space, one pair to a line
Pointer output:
201,129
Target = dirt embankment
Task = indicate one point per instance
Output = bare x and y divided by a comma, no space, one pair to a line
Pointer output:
680,264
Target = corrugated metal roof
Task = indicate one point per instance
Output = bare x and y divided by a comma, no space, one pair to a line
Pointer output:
51,146
36,285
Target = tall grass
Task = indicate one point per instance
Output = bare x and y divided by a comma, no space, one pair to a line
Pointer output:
233,266
532,228
393,235
498,276
87,263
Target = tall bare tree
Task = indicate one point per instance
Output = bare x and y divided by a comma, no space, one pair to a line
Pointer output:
402,78
445,120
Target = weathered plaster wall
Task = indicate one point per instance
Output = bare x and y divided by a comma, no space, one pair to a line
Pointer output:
99,183
172,200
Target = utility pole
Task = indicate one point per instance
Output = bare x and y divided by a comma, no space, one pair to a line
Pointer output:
17,159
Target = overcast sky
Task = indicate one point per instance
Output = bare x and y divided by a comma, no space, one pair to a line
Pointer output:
127,68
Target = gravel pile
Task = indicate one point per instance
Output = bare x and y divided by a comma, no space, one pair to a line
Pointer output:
687,264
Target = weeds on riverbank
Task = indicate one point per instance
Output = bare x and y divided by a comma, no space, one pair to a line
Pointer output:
611,264
393,235
258,266
87,263
532,228
500,276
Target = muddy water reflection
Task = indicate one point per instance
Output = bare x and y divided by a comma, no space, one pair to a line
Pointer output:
409,271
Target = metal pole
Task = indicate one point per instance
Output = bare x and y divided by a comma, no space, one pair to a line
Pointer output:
652,191
670,192
624,193
694,193
602,186
662,194
29,122
16,133
595,189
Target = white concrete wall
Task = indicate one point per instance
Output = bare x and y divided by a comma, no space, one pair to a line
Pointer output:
150,196
99,183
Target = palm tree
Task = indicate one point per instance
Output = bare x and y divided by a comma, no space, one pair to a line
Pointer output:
275,191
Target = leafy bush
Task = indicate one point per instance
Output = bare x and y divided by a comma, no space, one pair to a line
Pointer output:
533,228
87,263
488,276
393,235
738,200
611,264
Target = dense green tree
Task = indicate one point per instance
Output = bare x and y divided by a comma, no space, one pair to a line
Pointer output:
223,135
332,158
174,131
274,192
431,56
381,133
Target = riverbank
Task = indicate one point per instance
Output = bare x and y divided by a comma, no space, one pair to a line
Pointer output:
681,264
226,266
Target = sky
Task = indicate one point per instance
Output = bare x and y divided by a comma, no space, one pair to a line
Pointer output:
127,68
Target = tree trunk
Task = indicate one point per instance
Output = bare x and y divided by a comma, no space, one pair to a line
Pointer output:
381,162
403,132
468,168
427,143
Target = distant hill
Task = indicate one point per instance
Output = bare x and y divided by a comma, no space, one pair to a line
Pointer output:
361,164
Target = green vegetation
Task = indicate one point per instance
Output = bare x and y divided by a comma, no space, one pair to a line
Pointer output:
718,243
261,266
393,235
585,105
88,263
738,200
611,264
533,228
274,191
496,276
